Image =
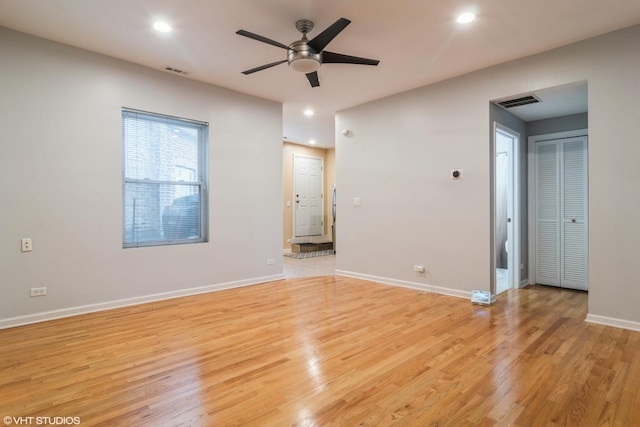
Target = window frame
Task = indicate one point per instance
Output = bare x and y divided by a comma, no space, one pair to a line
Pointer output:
201,181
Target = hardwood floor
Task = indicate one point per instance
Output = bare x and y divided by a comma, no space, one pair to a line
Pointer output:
327,351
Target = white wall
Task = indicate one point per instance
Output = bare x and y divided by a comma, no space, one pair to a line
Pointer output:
61,175
558,124
403,147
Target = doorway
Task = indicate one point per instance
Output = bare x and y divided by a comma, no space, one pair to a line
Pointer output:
506,214
559,209
295,265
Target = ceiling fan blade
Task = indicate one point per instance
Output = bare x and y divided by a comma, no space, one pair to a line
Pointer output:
338,58
261,39
321,41
263,67
313,79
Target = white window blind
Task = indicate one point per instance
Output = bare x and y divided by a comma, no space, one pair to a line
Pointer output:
164,179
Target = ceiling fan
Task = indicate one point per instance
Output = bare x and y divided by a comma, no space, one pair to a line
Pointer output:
306,56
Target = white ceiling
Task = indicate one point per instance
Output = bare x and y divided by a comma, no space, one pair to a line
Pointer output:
417,42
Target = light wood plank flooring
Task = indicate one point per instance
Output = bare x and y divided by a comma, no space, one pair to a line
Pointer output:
327,351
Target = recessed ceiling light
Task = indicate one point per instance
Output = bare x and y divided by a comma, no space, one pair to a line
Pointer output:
466,17
163,27
309,112
312,142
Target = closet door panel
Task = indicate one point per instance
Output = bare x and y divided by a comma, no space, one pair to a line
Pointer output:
547,214
574,214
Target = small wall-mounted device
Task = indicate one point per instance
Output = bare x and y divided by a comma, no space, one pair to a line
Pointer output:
456,173
26,244
347,133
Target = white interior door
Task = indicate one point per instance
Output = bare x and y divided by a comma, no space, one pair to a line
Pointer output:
561,212
308,190
504,210
547,214
506,142
573,248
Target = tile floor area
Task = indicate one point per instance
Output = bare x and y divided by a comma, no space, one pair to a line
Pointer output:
502,279
309,267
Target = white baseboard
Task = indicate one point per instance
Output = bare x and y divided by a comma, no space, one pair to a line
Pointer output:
405,284
612,321
91,308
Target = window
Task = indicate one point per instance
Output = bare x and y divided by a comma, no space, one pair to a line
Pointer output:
164,179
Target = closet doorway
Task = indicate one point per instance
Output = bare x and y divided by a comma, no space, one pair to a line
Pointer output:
558,209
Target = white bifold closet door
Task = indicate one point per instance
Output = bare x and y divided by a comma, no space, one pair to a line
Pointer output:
561,213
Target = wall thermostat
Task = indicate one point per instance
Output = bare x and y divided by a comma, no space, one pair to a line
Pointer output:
456,173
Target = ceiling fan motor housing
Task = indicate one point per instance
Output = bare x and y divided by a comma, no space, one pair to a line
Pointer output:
302,57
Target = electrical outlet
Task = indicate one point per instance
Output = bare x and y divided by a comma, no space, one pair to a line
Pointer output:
26,244
419,268
271,261
39,292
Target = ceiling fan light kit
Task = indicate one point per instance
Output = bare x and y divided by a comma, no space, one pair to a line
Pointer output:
306,56
302,58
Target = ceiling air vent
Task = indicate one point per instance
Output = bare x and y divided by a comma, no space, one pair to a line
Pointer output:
517,102
175,70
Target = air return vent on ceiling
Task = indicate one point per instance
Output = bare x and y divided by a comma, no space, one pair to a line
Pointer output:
517,102
175,70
